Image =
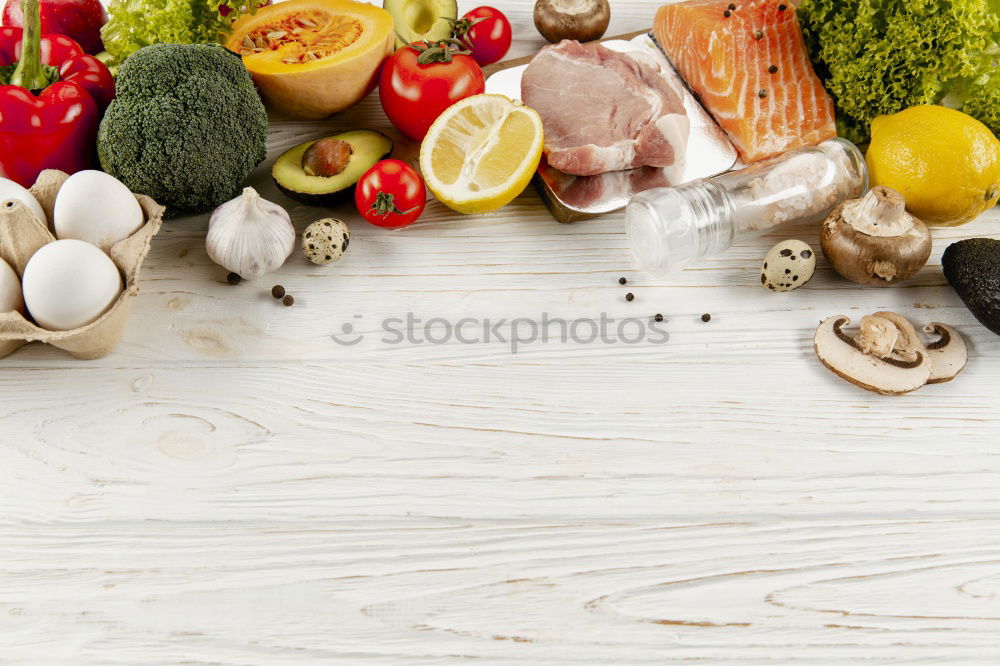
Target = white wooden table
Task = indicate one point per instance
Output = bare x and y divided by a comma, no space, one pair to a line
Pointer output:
233,487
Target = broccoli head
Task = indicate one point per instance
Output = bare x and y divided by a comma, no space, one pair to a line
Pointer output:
186,126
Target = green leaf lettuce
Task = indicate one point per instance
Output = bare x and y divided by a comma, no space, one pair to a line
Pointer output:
882,56
134,24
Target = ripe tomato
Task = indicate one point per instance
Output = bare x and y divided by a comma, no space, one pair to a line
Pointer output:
390,194
487,31
417,84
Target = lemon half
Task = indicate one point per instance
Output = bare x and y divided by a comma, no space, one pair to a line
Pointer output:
481,153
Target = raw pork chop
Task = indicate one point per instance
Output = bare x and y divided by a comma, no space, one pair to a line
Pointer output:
603,110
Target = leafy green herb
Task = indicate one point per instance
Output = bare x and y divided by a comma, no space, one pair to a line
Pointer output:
882,56
138,23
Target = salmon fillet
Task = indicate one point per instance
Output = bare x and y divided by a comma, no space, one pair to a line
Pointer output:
750,70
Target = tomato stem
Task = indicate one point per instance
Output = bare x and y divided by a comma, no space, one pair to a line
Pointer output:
385,204
439,51
460,29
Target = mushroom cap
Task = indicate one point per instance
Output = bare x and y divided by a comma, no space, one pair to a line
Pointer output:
582,20
874,240
885,374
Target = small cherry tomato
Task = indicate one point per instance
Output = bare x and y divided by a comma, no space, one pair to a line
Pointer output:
487,31
420,81
390,194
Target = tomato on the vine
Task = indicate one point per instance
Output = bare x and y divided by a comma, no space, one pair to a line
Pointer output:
390,194
486,31
421,80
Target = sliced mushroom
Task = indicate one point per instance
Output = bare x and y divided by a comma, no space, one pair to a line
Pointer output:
874,240
886,356
948,353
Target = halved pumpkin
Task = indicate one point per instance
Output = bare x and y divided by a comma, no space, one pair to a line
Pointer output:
312,58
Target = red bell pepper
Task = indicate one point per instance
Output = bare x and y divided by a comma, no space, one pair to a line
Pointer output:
51,108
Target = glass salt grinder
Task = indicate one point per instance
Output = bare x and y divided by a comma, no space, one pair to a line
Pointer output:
672,227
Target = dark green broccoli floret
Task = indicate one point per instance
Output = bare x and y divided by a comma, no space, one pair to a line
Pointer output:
186,127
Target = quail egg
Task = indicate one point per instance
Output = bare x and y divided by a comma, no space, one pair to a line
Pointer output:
788,265
325,241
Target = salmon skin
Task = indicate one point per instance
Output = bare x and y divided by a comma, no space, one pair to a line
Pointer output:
749,67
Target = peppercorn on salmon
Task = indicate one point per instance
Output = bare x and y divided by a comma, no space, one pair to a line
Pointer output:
748,65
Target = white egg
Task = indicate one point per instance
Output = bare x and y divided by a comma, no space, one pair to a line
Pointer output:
95,207
68,284
10,289
11,190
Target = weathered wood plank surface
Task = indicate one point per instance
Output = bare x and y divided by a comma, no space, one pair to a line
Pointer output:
233,487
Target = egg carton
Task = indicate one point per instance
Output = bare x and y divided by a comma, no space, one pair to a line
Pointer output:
21,233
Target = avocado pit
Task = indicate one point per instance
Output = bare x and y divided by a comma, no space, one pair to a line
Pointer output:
327,157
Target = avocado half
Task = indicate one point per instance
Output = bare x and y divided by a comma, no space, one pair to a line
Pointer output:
369,147
972,268
419,20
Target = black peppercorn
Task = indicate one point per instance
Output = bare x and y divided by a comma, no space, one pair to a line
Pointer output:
622,280
233,278
732,6
727,13
773,69
657,317
762,94
288,300
706,317
630,296
277,291
758,35
782,8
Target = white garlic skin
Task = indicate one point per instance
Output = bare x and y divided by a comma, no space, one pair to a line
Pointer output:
250,236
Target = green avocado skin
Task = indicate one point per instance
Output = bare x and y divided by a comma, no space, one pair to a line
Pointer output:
972,267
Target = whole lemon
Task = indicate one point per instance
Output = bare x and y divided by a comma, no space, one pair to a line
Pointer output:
945,163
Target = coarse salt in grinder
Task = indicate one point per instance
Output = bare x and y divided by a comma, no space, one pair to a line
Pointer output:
672,227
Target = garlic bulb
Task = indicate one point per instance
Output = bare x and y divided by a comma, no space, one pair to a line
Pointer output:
250,236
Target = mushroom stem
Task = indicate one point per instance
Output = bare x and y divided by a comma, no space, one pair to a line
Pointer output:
876,336
882,212
908,345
